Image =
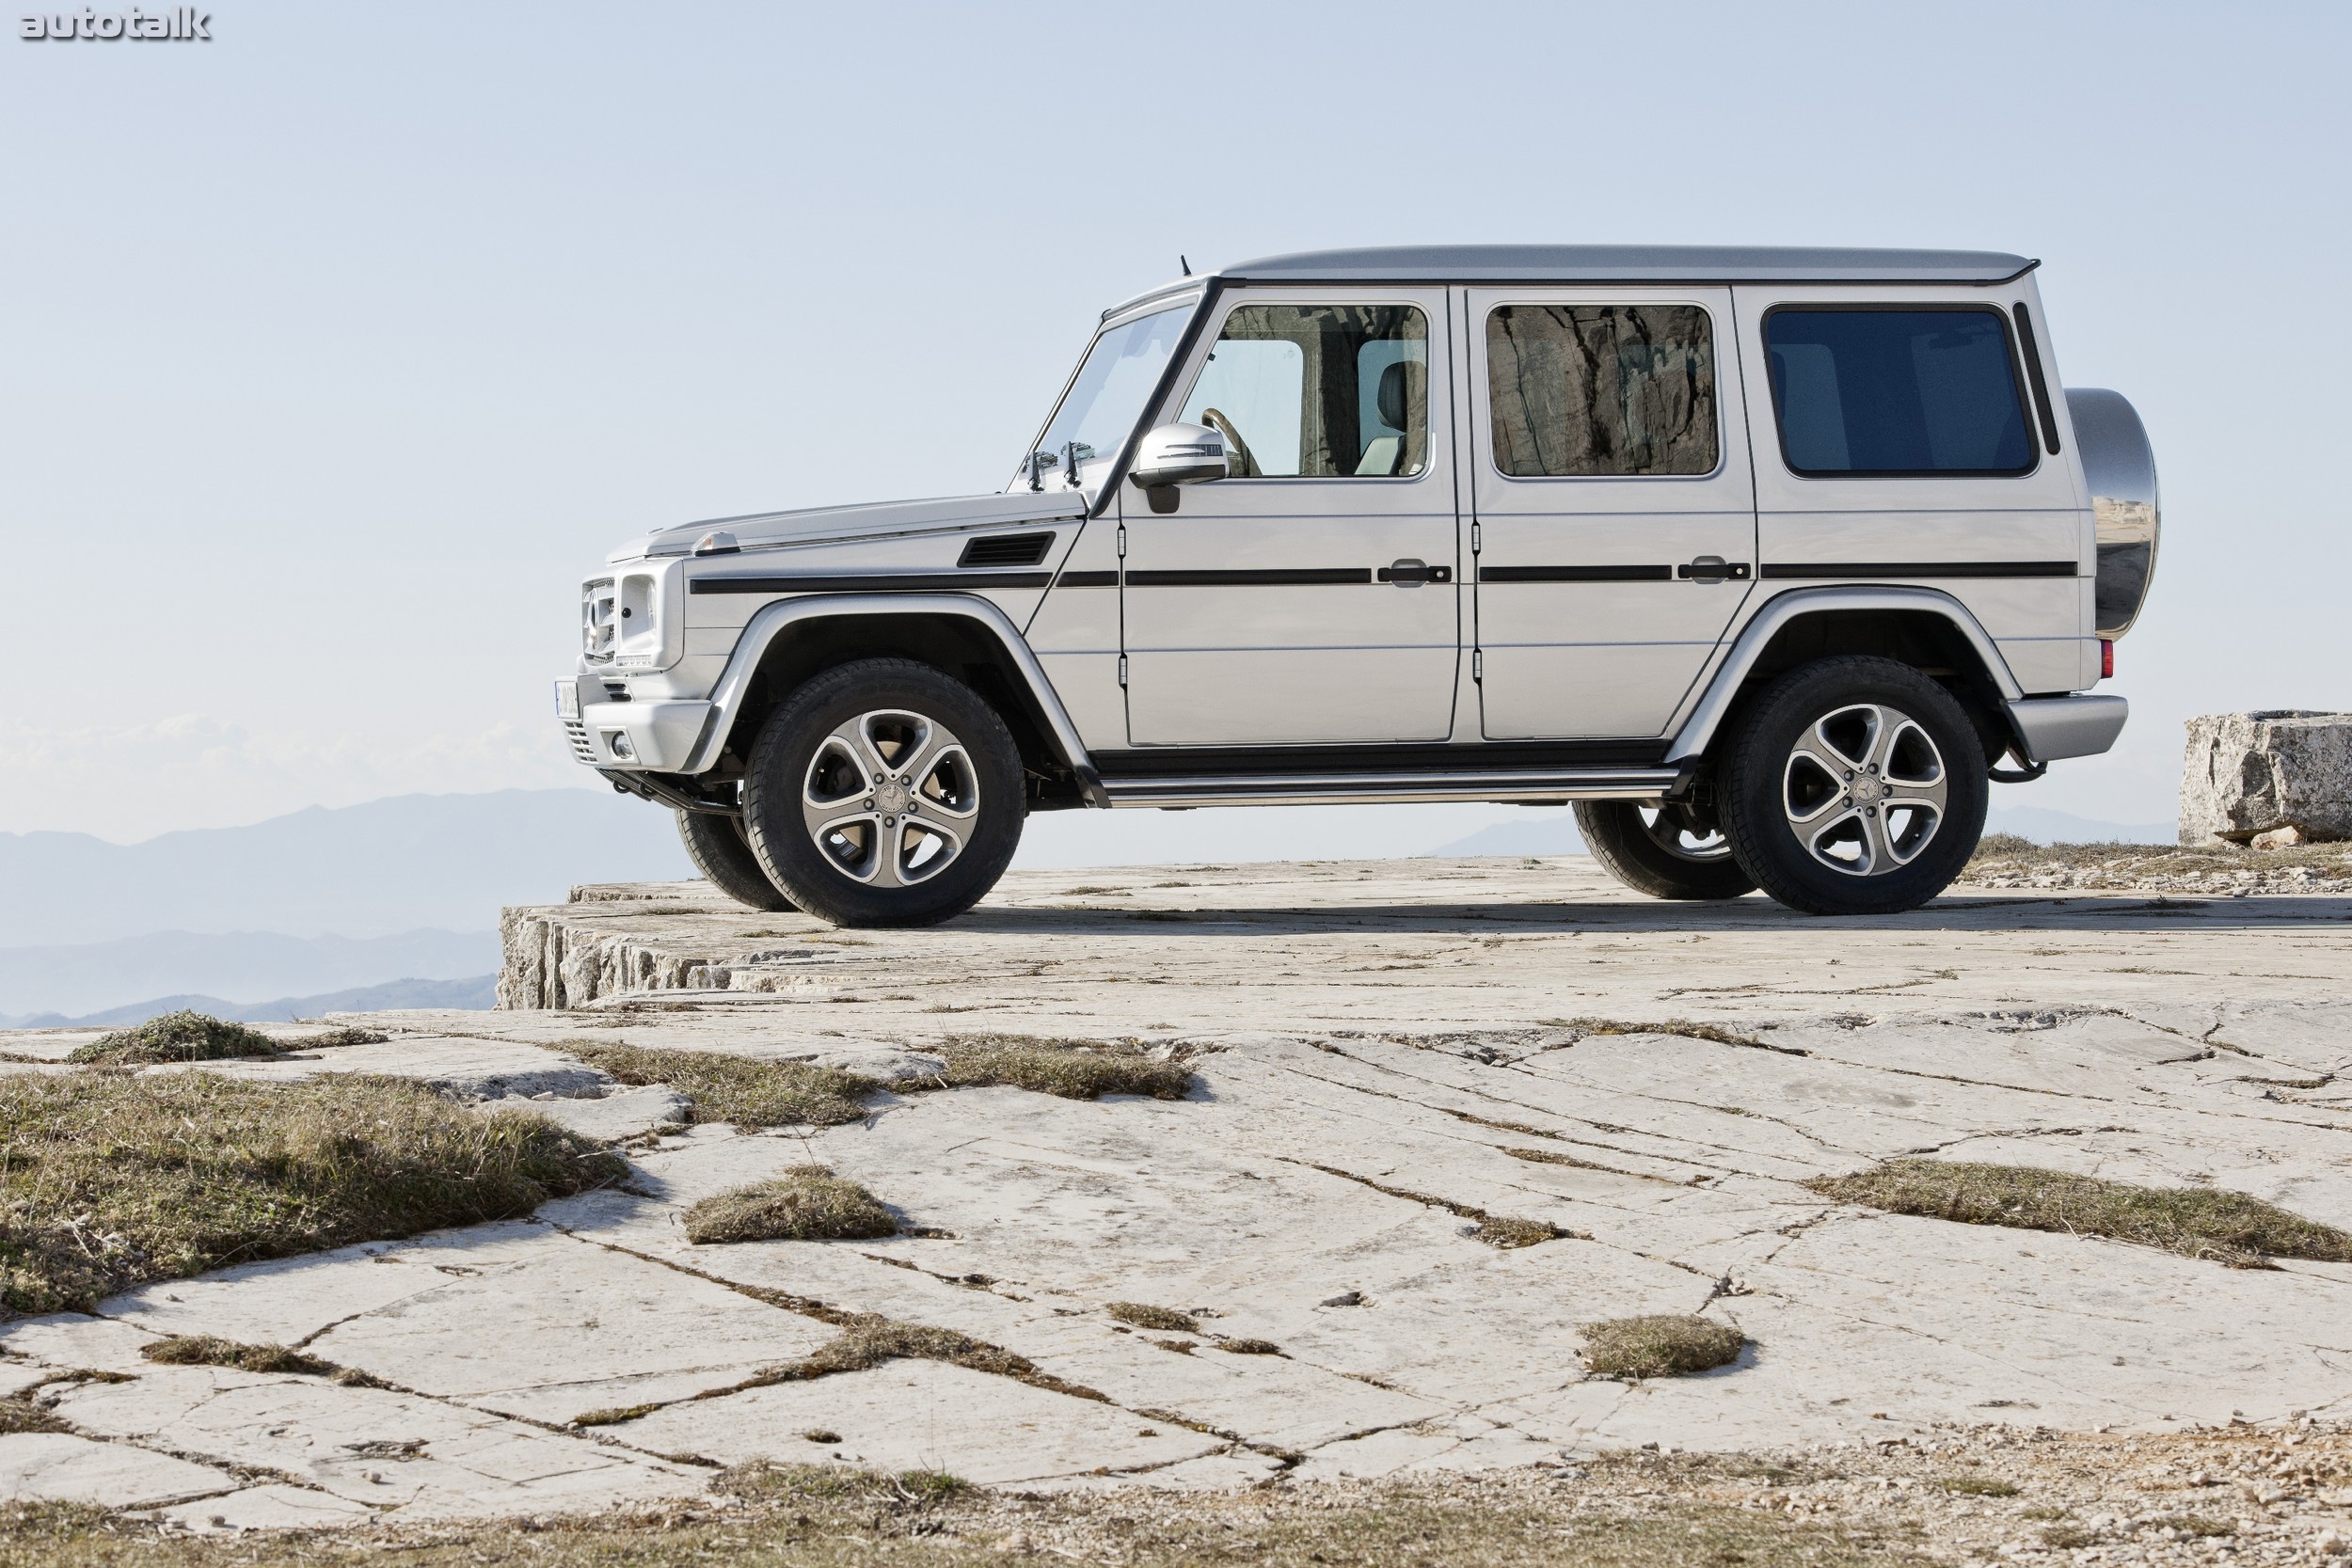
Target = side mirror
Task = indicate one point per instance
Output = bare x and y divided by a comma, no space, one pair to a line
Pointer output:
1178,454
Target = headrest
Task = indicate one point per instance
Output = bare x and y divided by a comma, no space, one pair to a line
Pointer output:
1395,396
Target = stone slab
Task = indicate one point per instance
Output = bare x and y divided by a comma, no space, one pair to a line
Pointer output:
923,1414
56,1467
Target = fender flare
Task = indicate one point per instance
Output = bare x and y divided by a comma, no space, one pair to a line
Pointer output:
1707,716
726,696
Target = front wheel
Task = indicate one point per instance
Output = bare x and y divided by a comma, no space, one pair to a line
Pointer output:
1661,851
1853,785
884,793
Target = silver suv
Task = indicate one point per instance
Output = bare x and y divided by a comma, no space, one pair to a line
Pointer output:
1767,559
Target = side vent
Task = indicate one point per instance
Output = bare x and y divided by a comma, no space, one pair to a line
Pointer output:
1006,549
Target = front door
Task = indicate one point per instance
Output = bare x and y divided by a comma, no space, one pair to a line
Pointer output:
1312,597
1615,505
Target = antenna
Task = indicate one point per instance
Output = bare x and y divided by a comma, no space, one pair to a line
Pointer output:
1181,262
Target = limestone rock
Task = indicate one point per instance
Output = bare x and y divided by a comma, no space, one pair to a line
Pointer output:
2250,773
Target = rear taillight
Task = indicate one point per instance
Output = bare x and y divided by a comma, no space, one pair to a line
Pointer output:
2106,659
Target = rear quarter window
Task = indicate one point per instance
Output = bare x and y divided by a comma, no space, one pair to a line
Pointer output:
1904,392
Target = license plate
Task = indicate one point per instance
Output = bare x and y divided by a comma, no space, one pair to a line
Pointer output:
568,700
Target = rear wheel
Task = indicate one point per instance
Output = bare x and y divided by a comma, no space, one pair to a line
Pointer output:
884,793
1853,785
1661,851
723,854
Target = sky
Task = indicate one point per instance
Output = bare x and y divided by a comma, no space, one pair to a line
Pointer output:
338,349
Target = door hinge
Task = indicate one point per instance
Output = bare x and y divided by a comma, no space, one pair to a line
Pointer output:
1122,540
1478,664
1474,539
1122,669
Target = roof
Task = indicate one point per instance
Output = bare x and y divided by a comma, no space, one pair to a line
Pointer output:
1630,263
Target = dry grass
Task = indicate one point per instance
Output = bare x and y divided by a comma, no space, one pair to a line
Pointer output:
205,1349
2194,1222
738,1089
1162,1320
1669,1344
348,1035
834,1516
1979,1486
23,1415
181,1036
111,1180
1496,1230
1072,1069
867,1340
807,1203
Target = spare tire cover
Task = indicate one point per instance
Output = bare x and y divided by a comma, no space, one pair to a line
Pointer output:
2120,467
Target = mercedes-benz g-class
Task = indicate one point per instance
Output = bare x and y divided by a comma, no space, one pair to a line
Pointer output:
1767,560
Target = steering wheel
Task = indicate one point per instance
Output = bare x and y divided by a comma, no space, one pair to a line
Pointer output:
1245,463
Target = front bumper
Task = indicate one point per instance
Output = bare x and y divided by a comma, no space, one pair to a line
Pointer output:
656,737
2050,728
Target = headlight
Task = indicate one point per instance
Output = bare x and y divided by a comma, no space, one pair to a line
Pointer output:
598,619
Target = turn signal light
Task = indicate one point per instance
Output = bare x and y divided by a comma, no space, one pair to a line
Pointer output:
2106,659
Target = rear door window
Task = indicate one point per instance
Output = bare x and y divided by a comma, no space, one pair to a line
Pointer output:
1897,392
1591,391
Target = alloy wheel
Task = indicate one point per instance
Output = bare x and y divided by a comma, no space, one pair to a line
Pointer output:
891,797
1865,789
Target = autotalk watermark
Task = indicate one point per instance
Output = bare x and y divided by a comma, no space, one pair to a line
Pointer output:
185,24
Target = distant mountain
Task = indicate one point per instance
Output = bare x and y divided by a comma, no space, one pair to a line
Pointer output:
246,966
478,994
441,862
1557,835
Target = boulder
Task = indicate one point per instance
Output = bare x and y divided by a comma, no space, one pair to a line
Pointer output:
2247,774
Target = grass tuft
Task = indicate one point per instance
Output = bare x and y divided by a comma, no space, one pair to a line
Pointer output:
764,1481
614,1416
807,1203
738,1089
2204,1525
1167,1320
206,1350
1979,1486
181,1036
1072,1069
2194,1222
347,1034
1250,1347
1669,1344
22,1414
112,1181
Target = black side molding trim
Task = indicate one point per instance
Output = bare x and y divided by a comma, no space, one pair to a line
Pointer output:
1086,579
878,582
1913,569
1575,574
1270,577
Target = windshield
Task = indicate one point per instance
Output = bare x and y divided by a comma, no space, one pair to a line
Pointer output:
1107,395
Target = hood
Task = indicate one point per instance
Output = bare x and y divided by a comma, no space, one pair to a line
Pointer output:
825,525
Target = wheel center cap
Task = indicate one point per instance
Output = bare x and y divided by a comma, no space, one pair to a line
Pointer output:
891,797
1868,790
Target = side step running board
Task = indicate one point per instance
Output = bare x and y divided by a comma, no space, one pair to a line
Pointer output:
1332,789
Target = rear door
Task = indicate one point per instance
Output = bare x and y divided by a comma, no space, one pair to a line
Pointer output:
1312,597
1615,504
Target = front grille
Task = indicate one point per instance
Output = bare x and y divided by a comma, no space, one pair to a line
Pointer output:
582,747
1006,549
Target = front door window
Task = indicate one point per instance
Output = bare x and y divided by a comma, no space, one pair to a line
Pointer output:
1319,391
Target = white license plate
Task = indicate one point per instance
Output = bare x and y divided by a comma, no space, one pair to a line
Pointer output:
568,700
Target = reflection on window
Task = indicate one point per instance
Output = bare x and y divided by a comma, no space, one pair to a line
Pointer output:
1602,390
1107,395
1319,391
1862,391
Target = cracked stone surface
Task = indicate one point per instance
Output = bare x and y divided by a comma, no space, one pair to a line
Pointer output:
1379,1049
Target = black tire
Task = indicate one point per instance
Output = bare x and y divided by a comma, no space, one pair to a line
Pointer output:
965,801
723,854
1651,856
1798,790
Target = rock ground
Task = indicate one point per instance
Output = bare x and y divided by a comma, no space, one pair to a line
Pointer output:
1372,1043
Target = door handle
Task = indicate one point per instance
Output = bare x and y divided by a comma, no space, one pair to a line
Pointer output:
1713,568
1412,573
